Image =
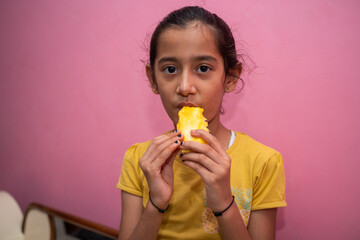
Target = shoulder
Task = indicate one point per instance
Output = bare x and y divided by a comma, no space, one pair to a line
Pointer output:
138,148
261,169
250,146
253,153
133,154
132,177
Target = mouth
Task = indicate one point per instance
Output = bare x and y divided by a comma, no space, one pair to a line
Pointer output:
183,104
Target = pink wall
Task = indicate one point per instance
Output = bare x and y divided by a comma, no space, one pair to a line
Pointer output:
74,97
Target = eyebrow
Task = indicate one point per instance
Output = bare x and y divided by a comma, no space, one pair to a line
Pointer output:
205,57
195,58
167,59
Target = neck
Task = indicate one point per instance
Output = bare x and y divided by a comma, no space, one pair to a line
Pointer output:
218,130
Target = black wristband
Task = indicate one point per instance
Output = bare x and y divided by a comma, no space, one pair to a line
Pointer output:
159,209
217,214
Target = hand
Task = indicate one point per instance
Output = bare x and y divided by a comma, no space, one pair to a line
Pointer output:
157,165
213,164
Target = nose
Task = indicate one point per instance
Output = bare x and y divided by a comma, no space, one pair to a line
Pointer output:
186,84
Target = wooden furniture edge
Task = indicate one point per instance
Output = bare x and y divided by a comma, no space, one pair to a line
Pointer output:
51,222
75,220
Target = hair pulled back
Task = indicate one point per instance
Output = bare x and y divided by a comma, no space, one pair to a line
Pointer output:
183,16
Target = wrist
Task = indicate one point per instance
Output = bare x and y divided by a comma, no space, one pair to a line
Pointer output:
218,201
220,213
161,208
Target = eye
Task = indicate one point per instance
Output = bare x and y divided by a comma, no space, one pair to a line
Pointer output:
170,69
203,69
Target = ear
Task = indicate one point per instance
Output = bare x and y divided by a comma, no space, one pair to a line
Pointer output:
151,77
232,78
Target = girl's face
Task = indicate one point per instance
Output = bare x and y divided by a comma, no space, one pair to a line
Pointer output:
189,71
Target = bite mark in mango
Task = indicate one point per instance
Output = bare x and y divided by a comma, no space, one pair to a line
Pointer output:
191,118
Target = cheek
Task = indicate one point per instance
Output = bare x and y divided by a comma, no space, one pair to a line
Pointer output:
165,99
215,92
213,101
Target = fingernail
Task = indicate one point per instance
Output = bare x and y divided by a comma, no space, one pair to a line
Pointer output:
181,155
176,142
179,135
181,143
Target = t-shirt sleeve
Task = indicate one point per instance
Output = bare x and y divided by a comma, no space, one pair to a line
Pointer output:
131,174
269,186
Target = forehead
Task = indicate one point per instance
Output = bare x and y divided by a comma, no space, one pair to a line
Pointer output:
194,40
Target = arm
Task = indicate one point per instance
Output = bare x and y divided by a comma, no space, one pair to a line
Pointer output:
156,163
133,216
213,164
262,224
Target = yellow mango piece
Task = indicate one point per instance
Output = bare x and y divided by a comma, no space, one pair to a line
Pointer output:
191,118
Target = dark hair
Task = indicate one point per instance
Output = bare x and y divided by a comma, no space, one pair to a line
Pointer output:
183,16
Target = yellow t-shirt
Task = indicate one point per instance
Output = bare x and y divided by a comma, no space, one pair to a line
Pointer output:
257,182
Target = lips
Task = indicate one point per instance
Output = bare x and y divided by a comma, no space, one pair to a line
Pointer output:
188,104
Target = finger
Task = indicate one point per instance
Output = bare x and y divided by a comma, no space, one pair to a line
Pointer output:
160,143
200,169
168,148
159,140
200,159
158,152
167,168
211,140
171,158
201,148
163,154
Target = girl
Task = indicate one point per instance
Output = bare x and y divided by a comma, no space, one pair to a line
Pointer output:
226,189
